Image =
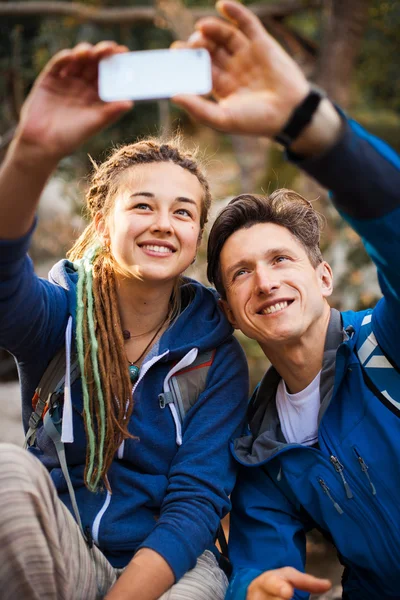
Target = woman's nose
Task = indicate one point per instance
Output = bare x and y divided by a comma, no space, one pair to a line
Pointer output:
162,223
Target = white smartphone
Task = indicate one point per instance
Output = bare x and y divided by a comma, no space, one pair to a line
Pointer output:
152,74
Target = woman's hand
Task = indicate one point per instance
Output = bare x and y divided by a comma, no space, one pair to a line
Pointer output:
63,109
280,584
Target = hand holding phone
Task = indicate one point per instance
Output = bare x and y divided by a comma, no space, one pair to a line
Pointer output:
152,74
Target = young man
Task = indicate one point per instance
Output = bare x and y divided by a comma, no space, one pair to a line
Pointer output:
323,448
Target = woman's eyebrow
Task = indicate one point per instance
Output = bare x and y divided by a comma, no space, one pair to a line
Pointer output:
147,194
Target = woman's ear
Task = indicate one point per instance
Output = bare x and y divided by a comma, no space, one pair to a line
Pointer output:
102,229
224,306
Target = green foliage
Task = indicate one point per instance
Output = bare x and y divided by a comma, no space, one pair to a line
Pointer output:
378,76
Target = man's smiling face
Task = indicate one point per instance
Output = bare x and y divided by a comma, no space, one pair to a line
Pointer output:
273,293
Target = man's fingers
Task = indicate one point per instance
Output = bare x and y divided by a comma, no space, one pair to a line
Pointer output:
222,33
242,17
303,581
280,584
179,44
272,584
203,110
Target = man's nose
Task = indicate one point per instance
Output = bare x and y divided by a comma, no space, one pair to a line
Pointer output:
265,280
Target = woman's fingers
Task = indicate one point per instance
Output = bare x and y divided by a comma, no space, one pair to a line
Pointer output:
82,60
102,50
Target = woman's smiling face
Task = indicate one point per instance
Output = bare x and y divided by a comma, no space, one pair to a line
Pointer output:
153,229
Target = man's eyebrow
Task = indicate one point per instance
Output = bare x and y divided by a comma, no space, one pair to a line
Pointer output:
244,262
236,265
183,199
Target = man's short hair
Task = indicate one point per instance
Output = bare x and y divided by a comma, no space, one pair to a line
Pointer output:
283,207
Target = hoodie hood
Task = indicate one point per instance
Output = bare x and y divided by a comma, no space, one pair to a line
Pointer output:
64,274
209,331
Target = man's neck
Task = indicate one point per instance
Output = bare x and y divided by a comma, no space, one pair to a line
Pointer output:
299,362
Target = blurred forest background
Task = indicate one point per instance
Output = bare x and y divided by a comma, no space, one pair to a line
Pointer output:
348,47
351,48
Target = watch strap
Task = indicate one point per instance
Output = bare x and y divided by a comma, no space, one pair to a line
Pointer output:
300,117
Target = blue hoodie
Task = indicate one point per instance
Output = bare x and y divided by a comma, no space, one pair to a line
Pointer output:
165,496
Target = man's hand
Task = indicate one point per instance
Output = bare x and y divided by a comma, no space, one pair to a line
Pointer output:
280,584
255,82
63,109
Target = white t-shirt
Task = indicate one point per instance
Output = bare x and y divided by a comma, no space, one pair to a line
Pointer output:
298,413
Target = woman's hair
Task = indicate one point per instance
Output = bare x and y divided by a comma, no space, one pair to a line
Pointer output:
107,389
283,207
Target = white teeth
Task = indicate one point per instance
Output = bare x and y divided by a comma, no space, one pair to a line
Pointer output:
160,249
275,307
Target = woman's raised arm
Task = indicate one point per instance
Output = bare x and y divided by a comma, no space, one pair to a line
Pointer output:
62,111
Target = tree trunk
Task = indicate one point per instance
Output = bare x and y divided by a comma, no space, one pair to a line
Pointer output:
343,28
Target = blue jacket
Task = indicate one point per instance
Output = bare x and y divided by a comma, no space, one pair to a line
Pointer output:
165,497
348,487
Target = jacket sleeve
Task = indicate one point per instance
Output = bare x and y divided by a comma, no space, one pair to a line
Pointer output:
28,318
203,472
266,532
363,175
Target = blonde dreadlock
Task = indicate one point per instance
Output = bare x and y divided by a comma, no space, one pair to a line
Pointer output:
107,390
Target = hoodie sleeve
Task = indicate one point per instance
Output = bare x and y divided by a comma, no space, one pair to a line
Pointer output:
363,175
203,471
266,532
32,310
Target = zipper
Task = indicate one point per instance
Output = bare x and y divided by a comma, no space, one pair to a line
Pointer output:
327,491
364,469
369,511
339,468
96,522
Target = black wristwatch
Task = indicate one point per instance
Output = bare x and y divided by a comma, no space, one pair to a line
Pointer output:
300,117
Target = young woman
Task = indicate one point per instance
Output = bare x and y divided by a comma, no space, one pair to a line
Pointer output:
149,490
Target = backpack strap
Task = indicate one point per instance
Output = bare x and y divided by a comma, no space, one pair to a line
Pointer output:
46,403
52,425
51,383
380,372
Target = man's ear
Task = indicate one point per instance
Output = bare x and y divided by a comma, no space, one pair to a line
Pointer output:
224,306
325,276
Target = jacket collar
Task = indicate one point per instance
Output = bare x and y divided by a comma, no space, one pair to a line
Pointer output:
266,437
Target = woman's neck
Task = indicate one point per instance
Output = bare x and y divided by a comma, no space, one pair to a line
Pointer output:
142,306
